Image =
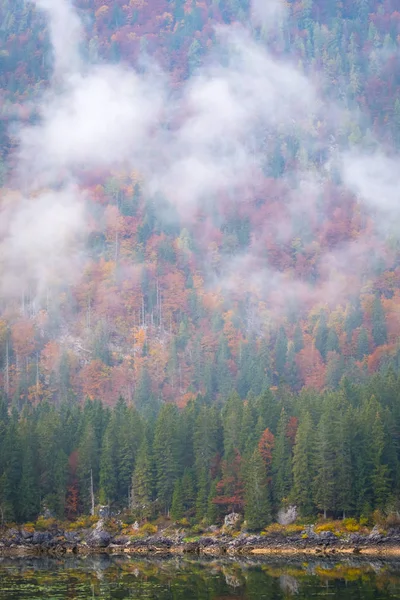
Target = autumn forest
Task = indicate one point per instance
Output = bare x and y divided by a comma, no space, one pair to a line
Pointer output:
199,257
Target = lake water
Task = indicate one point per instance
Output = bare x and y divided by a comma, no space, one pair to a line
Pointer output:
191,579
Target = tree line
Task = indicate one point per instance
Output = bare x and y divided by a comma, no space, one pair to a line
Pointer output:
333,453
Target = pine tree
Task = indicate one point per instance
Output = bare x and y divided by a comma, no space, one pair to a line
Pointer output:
12,461
248,437
129,434
354,318
212,507
202,495
321,335
379,329
281,346
177,508
291,370
232,416
142,480
344,467
188,490
303,465
88,462
362,344
281,462
108,466
298,339
332,341
166,454
29,495
380,471
324,481
257,506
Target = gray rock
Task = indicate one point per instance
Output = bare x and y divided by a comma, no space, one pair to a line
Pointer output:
232,520
27,535
287,516
99,537
40,538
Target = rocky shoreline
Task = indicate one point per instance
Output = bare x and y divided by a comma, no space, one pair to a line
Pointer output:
21,542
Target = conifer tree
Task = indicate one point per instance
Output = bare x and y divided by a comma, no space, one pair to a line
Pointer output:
379,329
212,507
321,335
88,462
281,462
303,465
188,489
362,344
324,481
232,416
142,482
108,466
257,506
344,467
177,508
281,346
29,495
380,471
202,495
298,339
166,454
12,463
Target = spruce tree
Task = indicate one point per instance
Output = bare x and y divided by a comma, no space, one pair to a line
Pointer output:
321,335
280,351
232,416
332,341
166,454
324,481
257,506
108,466
303,465
177,508
344,467
362,344
29,495
298,339
202,495
142,482
379,329
281,462
88,463
380,471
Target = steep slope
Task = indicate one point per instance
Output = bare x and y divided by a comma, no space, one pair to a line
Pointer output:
207,201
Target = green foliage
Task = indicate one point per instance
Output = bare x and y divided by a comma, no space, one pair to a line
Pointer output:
257,511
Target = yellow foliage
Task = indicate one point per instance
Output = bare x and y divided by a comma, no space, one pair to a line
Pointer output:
148,528
102,11
43,524
83,523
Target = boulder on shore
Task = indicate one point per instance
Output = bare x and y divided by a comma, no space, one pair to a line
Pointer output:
99,537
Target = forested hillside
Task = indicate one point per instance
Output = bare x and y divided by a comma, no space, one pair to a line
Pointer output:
244,237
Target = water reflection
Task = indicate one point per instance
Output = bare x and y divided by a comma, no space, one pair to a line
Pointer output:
190,579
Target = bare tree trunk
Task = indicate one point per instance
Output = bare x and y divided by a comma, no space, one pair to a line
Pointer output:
91,492
7,381
37,377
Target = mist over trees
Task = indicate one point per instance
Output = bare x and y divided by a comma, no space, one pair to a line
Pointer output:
199,257
196,198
